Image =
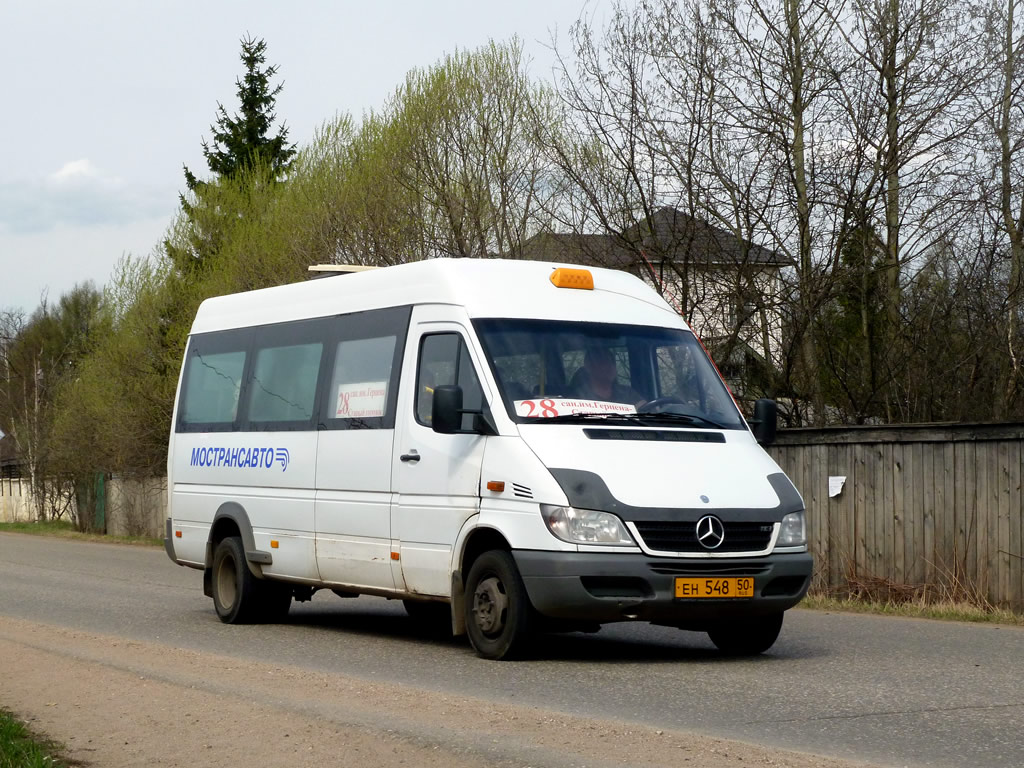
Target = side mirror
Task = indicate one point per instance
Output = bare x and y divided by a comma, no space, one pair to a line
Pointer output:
446,410
765,421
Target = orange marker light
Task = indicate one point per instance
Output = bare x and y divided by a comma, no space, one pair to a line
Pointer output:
395,556
563,277
495,485
274,544
177,534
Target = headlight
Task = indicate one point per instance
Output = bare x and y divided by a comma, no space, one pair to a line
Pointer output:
794,531
585,526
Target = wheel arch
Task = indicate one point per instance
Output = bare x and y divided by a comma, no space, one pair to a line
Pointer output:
473,540
231,519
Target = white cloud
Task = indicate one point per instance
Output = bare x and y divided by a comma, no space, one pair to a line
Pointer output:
76,169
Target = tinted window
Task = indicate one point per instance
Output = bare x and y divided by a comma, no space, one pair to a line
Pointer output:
366,362
292,367
213,383
444,360
362,378
283,384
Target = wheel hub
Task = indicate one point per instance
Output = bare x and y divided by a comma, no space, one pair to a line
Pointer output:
490,606
226,582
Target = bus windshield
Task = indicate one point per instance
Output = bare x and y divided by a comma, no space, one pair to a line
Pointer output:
576,371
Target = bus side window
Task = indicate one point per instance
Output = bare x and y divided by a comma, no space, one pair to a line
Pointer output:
213,383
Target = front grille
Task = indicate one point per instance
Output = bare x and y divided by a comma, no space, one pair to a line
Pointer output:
682,537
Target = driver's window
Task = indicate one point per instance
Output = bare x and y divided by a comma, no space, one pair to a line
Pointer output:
444,360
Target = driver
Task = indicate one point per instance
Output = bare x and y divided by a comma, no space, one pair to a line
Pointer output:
598,379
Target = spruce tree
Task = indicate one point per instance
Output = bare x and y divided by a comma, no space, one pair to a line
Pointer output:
241,152
241,142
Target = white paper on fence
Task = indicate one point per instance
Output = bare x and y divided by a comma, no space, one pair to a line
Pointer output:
548,407
835,485
361,400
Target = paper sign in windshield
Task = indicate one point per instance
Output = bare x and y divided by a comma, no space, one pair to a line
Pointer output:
562,406
363,400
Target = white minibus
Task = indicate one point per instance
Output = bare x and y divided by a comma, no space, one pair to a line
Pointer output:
509,446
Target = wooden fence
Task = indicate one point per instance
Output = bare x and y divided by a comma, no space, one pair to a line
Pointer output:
921,506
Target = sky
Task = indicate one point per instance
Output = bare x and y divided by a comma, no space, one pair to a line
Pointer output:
105,101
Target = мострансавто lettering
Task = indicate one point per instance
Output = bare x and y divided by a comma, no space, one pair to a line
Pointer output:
255,458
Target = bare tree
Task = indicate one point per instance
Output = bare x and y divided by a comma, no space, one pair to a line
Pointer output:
471,159
1002,179
911,67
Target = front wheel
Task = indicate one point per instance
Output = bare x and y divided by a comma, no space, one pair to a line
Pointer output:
747,637
498,610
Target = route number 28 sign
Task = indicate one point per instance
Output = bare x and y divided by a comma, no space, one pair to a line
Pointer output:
550,407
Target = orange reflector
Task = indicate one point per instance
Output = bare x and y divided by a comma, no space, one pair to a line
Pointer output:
563,277
495,485
177,534
274,543
395,556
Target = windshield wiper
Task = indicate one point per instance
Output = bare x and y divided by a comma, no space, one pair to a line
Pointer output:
577,416
691,419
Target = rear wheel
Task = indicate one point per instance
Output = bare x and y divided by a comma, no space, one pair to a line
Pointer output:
238,596
498,611
747,637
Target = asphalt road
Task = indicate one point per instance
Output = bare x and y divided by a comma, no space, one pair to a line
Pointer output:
889,691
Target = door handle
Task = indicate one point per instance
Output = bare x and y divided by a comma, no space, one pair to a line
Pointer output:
411,456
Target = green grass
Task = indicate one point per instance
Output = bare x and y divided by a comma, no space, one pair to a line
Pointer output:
21,749
946,610
65,530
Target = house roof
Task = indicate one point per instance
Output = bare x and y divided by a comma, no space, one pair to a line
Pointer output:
670,236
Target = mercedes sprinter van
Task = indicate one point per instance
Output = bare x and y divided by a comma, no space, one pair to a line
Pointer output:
508,446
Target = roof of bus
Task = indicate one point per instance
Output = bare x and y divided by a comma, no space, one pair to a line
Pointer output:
484,287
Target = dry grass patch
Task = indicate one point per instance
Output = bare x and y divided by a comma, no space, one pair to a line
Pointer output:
948,611
62,529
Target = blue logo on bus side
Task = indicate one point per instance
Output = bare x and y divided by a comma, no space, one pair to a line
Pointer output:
250,458
281,457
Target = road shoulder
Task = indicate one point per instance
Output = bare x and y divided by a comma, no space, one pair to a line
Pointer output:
114,702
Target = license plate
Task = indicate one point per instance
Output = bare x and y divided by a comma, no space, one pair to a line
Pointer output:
742,586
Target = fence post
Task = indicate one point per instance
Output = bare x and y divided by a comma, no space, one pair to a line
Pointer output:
100,515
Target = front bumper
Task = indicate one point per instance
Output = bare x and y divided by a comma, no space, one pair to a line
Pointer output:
602,588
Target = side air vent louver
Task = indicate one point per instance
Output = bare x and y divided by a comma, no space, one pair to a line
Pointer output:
521,491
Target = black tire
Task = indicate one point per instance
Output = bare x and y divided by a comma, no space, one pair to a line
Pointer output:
430,615
499,616
238,596
748,637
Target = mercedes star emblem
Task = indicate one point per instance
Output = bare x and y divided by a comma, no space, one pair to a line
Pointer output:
710,532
